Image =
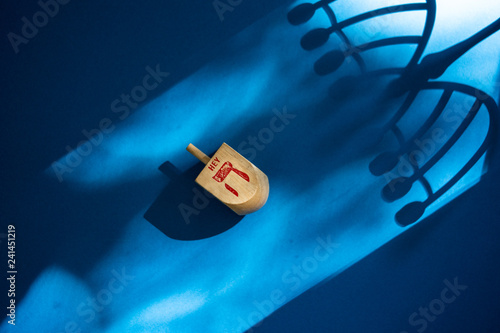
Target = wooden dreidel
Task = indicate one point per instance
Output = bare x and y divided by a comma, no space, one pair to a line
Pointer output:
232,179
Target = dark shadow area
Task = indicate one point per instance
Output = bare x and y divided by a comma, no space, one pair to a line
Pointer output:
65,78
60,85
332,60
459,242
64,81
185,211
381,292
59,225
412,80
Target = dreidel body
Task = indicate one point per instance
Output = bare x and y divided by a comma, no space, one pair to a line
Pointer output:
232,179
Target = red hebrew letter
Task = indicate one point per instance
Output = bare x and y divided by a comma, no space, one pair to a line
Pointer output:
224,171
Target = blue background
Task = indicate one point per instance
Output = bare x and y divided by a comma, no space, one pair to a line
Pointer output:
77,231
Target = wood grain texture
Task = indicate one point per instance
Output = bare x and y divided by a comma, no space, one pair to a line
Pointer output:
198,153
235,181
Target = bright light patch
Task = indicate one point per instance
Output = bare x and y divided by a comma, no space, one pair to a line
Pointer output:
170,309
324,213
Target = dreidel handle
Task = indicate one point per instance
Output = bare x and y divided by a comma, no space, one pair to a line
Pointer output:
198,153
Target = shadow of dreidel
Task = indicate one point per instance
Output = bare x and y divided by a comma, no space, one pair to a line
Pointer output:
232,179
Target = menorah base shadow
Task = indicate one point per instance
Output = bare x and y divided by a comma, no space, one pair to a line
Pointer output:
185,211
